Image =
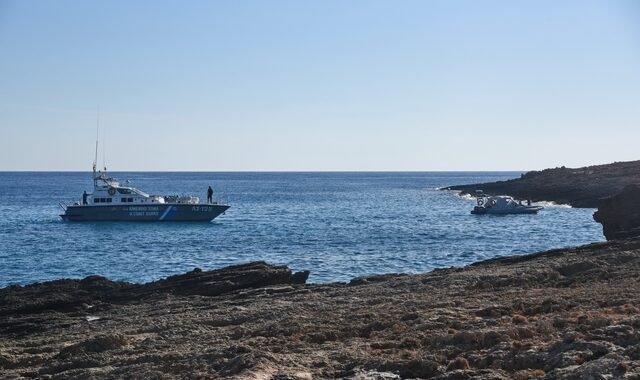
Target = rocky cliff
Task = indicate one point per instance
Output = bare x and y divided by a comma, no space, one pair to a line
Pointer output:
620,214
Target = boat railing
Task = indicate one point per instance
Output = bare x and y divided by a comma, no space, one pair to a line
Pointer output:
64,205
221,199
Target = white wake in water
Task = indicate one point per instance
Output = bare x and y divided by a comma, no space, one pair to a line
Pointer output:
545,204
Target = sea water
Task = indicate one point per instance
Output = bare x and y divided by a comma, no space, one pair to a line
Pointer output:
336,225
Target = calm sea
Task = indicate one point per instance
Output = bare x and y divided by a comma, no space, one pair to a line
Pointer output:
337,225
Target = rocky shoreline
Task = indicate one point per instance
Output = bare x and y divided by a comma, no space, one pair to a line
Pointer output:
581,187
561,314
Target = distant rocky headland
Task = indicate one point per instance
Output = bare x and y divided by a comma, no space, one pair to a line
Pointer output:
581,187
562,314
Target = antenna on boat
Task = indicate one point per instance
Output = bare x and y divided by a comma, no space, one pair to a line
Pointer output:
95,159
104,151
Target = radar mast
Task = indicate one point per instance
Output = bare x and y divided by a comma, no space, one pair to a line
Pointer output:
95,159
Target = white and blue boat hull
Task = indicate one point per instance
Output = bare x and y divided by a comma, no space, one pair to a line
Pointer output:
167,212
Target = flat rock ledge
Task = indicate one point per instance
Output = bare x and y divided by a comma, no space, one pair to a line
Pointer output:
562,314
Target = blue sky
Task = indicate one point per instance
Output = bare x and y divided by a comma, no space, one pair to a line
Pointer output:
319,85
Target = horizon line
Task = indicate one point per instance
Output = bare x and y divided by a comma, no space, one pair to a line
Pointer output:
269,171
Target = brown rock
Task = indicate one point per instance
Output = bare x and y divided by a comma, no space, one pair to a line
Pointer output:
458,363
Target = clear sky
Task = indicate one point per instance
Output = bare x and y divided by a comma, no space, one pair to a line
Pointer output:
319,85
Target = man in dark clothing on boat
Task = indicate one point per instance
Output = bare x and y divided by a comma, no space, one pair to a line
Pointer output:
209,195
84,197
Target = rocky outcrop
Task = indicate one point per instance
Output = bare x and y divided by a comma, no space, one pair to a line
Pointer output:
562,314
620,214
582,187
69,295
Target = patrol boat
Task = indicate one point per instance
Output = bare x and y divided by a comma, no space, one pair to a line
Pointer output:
111,201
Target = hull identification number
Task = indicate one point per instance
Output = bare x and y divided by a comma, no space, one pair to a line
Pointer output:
202,208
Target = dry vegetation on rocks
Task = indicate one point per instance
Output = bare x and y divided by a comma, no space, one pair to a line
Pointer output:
564,314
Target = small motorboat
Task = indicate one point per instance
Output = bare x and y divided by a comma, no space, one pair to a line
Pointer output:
502,205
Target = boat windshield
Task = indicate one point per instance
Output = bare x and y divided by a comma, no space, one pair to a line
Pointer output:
142,193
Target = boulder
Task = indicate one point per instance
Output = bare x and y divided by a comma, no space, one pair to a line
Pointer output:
620,214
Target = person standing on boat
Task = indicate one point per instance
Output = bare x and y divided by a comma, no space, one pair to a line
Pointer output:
209,195
84,197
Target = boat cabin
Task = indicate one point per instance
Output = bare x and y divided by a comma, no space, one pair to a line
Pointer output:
108,191
498,201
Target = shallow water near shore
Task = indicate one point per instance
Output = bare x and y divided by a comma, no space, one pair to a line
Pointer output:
337,225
